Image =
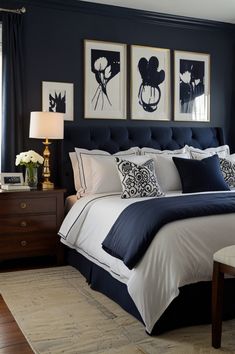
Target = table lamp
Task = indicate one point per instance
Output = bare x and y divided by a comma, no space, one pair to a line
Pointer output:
46,125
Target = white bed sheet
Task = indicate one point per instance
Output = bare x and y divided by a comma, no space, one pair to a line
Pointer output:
181,253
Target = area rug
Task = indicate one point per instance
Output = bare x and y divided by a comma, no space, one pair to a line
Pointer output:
58,313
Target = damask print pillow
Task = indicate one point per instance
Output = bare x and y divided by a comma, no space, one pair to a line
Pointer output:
228,170
138,180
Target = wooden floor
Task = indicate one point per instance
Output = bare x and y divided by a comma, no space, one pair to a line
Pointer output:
12,340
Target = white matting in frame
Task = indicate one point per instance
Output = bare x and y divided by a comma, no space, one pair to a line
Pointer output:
192,86
105,79
150,83
58,97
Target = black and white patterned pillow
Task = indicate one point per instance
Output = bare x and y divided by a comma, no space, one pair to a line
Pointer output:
138,180
228,170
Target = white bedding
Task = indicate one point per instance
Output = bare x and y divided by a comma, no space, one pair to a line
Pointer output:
181,253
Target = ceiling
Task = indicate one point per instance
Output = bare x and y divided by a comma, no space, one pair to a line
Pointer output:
217,10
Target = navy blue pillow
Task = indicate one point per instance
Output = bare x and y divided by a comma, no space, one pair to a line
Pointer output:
200,175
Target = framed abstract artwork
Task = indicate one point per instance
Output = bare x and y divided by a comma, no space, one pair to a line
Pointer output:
192,86
150,83
58,97
105,80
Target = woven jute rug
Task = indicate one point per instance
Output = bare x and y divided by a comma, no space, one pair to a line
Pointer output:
59,313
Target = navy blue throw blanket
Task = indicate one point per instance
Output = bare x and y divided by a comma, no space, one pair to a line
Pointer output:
136,226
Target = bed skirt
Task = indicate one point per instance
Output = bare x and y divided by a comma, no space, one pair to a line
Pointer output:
191,307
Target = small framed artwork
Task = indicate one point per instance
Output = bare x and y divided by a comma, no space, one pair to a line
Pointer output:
192,86
105,80
58,97
11,178
150,83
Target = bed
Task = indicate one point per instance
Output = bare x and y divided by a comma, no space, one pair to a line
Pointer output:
190,304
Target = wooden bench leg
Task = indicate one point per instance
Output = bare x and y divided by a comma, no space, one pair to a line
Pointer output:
217,304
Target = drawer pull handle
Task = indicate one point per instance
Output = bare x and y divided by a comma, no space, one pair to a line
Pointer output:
23,224
23,243
23,205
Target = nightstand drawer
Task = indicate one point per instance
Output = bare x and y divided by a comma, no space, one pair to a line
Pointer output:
16,246
28,205
28,223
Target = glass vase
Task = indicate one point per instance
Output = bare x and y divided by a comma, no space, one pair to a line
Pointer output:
31,177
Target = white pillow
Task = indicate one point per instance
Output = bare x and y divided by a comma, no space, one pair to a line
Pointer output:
166,171
198,154
76,174
146,150
78,178
230,157
103,174
89,182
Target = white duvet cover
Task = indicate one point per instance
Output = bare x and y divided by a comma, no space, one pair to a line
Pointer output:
181,253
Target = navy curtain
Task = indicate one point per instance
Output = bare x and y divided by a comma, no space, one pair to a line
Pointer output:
12,90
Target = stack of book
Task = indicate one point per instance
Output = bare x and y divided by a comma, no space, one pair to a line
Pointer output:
15,187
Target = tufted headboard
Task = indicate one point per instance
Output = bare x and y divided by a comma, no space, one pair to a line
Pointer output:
113,139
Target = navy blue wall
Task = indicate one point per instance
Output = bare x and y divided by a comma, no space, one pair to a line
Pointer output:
54,34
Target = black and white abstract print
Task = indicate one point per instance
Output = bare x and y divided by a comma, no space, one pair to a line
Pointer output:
191,86
105,80
151,77
57,101
58,97
191,74
105,65
150,83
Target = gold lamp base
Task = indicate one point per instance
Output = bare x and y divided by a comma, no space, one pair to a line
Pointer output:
46,184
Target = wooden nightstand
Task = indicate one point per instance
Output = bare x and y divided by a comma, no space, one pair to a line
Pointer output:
29,222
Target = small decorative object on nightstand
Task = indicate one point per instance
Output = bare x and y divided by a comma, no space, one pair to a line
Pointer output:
30,222
31,160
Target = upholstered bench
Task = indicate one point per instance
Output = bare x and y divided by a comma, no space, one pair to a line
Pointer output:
224,262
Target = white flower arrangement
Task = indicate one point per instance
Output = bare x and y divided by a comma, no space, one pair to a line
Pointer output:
29,159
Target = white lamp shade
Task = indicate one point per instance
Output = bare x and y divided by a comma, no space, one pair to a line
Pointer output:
48,125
